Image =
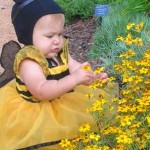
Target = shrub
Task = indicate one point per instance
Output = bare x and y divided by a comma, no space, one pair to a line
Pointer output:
132,6
105,48
129,127
81,9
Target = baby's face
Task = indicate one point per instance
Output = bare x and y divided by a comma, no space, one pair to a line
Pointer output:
47,34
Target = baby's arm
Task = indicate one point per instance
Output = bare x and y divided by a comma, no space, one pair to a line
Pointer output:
73,64
32,75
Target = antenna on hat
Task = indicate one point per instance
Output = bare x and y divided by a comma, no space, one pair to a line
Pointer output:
19,9
18,1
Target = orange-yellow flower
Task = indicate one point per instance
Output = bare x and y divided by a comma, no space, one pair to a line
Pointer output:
84,128
128,39
139,26
129,26
119,38
65,143
86,67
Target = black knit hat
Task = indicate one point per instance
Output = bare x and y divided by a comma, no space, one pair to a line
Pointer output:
25,13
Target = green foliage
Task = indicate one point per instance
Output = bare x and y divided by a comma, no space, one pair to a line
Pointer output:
132,6
122,120
105,48
80,8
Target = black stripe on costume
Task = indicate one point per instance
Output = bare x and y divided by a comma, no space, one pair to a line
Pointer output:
59,55
51,60
40,145
27,99
30,100
19,81
58,76
28,94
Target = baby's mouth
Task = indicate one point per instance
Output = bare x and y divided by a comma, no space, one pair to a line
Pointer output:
55,50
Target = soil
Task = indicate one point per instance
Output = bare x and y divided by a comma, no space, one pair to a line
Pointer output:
79,32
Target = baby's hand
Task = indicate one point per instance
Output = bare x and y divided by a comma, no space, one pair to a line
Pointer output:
83,75
103,76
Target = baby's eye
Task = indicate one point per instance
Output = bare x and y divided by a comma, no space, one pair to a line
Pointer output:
60,34
49,36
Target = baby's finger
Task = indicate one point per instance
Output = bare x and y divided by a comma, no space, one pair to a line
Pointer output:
103,76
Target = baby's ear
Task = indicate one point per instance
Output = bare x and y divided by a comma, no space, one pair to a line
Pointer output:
9,51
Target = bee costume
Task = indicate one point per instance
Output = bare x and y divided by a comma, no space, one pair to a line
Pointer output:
25,121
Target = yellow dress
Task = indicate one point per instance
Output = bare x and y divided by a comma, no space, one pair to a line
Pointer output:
26,122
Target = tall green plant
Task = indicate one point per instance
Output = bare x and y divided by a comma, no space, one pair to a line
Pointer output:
132,6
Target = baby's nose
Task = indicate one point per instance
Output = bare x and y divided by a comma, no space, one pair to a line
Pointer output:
56,39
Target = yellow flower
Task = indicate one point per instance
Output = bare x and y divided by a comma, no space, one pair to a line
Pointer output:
85,139
99,70
135,125
140,109
123,108
91,147
129,26
126,120
138,139
86,67
128,39
137,79
128,54
97,106
121,101
94,136
124,139
125,92
65,143
84,128
118,67
127,79
148,119
138,41
143,70
126,63
121,55
119,147
92,86
147,136
114,99
139,26
111,79
98,83
103,148
147,55
119,38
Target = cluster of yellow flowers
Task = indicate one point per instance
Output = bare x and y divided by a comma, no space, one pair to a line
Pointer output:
123,122
129,38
